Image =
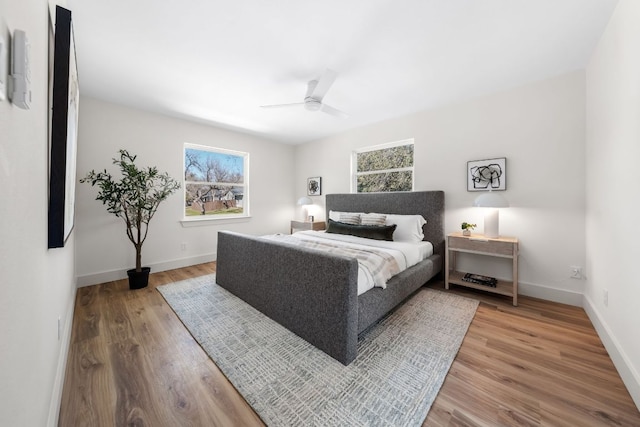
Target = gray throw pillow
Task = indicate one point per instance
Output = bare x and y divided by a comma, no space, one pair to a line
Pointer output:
374,232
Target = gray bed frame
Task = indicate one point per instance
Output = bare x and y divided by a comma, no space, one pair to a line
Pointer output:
315,294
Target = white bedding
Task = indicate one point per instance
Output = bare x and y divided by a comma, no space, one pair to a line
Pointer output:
406,254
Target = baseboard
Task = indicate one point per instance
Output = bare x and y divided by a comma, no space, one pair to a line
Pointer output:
56,395
562,296
621,361
110,276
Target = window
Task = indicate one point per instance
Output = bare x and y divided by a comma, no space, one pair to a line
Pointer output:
386,167
216,183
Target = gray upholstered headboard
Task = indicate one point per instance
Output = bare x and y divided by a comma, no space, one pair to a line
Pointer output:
429,204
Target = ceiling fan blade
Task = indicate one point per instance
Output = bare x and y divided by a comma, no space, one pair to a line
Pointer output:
282,105
324,83
333,111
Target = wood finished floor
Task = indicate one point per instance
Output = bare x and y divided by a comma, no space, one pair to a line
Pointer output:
132,363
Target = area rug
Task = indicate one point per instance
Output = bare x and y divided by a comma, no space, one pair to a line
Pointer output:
401,365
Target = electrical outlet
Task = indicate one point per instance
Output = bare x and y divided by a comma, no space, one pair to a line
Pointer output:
183,246
605,297
576,272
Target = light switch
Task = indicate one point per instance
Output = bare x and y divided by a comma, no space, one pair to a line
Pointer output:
3,68
20,70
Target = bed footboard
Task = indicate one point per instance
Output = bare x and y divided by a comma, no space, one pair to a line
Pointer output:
313,295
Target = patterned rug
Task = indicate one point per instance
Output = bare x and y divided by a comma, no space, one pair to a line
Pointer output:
401,365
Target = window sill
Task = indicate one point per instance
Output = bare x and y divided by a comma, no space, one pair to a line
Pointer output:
201,222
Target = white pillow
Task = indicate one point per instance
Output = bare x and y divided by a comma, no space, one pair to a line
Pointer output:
408,227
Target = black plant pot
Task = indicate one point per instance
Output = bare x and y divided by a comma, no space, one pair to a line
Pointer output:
138,279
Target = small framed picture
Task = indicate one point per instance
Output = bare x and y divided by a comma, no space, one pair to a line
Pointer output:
314,186
486,175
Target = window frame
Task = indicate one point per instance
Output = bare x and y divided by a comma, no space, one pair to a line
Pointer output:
354,163
245,184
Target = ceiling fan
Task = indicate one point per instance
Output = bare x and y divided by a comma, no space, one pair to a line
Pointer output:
316,90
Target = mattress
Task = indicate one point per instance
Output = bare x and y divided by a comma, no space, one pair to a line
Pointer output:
406,254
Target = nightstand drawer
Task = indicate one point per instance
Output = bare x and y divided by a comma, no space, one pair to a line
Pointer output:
307,225
475,245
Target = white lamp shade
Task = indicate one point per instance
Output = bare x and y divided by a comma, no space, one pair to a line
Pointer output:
491,200
302,201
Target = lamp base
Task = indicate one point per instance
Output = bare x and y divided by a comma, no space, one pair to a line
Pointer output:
491,223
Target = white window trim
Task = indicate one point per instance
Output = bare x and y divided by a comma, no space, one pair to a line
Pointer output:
186,220
410,168
354,162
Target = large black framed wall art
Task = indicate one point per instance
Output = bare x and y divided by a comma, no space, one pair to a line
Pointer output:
64,97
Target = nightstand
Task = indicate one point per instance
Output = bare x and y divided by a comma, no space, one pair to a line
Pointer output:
503,247
307,225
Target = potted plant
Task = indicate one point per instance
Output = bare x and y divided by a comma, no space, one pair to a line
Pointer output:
134,198
467,228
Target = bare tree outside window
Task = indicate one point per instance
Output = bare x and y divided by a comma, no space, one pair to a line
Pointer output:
387,167
215,182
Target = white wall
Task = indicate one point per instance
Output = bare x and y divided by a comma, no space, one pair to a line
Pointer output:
613,152
539,128
103,250
37,285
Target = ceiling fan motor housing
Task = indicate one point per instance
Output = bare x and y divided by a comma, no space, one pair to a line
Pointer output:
312,104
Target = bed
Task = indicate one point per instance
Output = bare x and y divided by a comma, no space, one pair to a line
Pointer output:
314,294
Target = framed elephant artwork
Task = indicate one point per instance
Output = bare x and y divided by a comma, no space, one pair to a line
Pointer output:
487,175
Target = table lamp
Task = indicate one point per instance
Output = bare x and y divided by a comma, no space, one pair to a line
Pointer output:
304,202
492,201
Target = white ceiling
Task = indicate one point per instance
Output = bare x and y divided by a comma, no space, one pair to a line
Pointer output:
217,61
